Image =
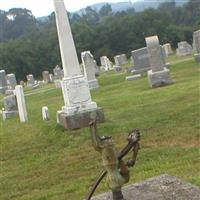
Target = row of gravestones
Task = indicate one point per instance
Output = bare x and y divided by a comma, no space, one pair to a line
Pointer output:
185,49
78,103
15,105
8,81
14,101
140,58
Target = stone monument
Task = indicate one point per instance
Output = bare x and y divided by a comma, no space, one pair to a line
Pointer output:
10,107
45,113
159,75
89,66
58,76
105,63
108,64
19,92
196,40
46,76
102,60
30,80
141,60
79,108
121,60
184,49
3,83
11,81
168,49
58,73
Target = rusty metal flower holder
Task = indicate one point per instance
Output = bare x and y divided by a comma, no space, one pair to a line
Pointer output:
116,169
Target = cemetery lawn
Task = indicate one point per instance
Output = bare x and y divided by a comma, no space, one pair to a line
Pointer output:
41,161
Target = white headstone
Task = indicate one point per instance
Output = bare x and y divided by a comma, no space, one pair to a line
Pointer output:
184,49
121,60
45,113
141,60
30,80
46,76
19,92
159,74
105,62
10,107
11,81
102,60
168,49
58,73
89,69
155,54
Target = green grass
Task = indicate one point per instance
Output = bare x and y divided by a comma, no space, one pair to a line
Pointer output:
41,161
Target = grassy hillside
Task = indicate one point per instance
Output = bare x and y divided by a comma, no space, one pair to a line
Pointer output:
41,161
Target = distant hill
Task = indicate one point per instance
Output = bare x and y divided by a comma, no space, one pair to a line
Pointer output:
140,5
116,7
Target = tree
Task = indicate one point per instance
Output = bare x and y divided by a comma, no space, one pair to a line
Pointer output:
28,45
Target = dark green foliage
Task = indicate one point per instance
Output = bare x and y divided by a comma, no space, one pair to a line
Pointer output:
31,46
15,23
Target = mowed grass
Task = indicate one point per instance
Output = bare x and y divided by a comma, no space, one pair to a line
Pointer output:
41,161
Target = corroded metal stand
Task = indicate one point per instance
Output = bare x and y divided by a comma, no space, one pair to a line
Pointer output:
116,169
118,195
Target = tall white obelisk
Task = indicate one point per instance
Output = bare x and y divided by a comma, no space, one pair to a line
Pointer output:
75,87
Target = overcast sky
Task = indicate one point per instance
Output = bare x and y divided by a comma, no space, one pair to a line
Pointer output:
45,7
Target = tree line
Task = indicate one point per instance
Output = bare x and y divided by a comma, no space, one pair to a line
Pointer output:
29,45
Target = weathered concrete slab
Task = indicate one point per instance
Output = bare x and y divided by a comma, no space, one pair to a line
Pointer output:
164,187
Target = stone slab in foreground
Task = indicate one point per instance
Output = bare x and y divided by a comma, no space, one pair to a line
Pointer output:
163,187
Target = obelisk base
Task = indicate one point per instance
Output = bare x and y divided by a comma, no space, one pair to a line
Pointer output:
93,84
159,78
81,119
197,57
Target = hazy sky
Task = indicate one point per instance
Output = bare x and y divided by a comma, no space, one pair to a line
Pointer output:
45,7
